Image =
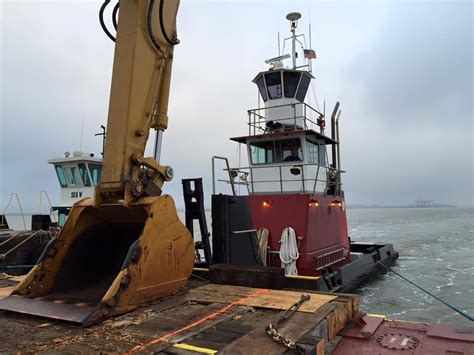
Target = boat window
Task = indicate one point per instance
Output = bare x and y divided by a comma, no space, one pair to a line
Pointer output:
287,150
261,88
291,80
323,157
303,88
313,152
72,176
84,174
61,176
273,81
262,152
96,172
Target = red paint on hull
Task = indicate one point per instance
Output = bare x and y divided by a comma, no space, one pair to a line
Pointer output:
323,228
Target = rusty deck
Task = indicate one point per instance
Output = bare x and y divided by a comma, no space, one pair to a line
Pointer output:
209,318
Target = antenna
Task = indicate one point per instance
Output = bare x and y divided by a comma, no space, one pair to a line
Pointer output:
310,47
293,17
103,134
82,132
279,43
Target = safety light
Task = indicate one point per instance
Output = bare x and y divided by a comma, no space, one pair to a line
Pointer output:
266,204
321,122
336,204
313,204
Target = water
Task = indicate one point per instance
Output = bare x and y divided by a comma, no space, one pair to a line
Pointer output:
436,251
436,248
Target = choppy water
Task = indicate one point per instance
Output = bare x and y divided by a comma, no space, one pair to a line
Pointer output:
436,247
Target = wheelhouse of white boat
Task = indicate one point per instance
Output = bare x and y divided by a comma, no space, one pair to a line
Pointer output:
286,146
78,174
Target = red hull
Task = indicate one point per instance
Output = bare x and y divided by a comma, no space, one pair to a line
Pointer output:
321,225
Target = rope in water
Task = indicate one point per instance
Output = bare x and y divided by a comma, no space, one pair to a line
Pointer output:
457,310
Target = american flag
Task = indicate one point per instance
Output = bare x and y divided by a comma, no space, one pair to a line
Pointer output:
309,53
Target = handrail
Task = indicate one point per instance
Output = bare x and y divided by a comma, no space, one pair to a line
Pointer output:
304,179
214,174
49,202
257,121
19,205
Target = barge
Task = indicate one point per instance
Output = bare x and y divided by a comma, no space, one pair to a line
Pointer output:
205,318
258,287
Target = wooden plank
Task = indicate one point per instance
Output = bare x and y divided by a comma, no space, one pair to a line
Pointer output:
343,297
343,315
331,346
321,320
178,328
273,299
257,342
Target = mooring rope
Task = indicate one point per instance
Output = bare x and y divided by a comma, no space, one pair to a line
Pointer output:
289,251
454,308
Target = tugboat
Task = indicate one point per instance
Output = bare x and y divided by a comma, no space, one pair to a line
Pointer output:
78,174
292,216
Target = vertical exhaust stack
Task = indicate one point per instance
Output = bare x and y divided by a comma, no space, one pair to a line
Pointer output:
127,247
333,133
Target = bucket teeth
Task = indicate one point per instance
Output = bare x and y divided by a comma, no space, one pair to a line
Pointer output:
108,261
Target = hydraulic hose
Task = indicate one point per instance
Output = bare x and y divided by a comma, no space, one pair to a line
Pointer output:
114,15
101,20
171,42
148,27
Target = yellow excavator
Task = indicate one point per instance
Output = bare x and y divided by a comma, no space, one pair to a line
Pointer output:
127,246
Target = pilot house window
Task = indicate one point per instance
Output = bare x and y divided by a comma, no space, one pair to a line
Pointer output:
291,80
303,88
84,174
96,171
61,176
261,88
273,81
73,177
267,152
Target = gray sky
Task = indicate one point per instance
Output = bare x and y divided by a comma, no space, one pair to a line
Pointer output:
402,71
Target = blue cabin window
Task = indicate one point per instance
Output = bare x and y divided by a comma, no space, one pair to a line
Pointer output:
61,176
96,172
84,174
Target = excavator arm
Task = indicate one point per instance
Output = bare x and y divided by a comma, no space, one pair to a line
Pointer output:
127,247
146,35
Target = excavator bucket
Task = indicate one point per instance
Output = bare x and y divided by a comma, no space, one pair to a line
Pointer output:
106,261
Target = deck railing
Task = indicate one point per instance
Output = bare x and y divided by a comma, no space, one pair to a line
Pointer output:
301,116
306,184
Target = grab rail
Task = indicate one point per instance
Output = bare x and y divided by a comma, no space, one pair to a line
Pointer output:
214,174
49,202
19,205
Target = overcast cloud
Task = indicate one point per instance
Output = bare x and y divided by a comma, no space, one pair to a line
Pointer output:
402,71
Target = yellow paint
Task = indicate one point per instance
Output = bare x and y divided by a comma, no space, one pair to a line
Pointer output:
377,315
302,277
200,269
195,348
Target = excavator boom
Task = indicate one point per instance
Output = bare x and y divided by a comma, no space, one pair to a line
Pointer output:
127,247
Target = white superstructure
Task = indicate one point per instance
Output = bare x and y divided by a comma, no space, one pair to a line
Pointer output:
78,174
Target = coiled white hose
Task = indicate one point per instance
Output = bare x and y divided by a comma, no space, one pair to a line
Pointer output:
289,251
